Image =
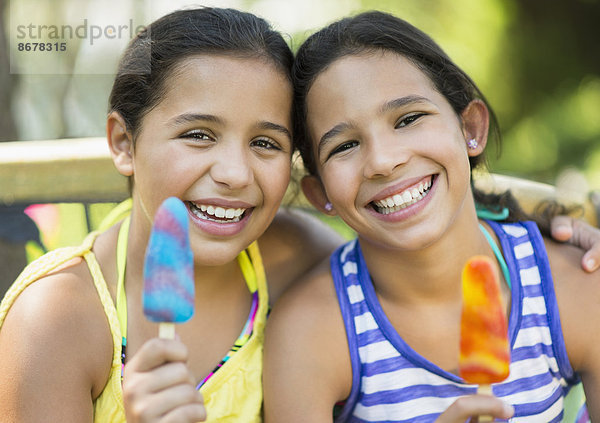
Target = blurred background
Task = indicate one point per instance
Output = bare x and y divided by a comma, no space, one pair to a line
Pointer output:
537,61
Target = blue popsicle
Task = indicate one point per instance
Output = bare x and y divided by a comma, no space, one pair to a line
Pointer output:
169,268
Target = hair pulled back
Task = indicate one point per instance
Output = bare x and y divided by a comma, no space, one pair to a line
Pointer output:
154,54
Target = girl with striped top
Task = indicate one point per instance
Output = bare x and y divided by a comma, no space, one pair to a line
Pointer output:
390,130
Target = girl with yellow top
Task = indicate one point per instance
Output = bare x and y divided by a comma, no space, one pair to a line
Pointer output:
199,110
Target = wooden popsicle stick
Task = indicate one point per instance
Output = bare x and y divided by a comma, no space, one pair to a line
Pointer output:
485,390
166,330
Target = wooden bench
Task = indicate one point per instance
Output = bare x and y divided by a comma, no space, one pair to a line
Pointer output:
81,170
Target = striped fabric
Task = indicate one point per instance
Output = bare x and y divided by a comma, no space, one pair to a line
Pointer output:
392,383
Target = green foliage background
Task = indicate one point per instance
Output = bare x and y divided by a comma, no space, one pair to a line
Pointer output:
537,61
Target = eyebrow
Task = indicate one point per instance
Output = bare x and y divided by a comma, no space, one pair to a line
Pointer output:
333,132
275,127
195,117
386,107
404,101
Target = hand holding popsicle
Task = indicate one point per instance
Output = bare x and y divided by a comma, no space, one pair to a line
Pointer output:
484,350
169,269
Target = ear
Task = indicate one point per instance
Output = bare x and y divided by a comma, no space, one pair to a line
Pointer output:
476,123
315,193
120,143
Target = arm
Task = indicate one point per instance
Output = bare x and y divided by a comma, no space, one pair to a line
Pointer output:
578,296
55,349
307,365
293,244
158,386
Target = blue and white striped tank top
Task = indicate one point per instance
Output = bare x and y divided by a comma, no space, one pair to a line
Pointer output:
392,383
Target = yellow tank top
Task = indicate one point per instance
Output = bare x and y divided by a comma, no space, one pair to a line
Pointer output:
232,394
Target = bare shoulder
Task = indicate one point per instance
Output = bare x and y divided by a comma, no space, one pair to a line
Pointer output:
312,295
306,341
293,244
55,344
578,297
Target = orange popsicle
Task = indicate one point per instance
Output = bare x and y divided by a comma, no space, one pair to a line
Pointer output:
484,350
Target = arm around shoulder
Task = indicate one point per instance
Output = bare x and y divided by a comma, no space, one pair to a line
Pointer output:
295,242
55,349
578,297
307,364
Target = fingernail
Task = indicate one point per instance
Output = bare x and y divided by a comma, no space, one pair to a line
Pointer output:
590,264
508,409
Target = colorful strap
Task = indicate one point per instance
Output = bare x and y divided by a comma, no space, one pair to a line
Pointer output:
498,255
484,213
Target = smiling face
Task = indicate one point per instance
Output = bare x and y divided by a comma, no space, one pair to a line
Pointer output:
220,141
390,151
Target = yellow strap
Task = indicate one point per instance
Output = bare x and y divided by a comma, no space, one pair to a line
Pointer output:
247,270
41,267
120,211
121,265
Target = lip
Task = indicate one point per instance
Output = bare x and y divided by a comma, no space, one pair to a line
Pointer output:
216,228
408,211
398,188
220,202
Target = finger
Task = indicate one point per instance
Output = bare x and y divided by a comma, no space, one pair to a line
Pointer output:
188,413
155,407
591,259
141,384
476,405
156,352
169,375
180,396
587,238
561,228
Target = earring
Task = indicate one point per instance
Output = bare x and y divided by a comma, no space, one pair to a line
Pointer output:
472,144
328,206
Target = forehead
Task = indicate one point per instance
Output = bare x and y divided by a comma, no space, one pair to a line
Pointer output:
226,81
371,74
355,88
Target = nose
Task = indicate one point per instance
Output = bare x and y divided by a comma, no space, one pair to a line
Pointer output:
384,153
232,167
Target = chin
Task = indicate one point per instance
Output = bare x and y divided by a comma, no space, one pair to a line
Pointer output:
209,254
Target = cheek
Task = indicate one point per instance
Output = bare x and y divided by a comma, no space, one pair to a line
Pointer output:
275,178
341,180
164,172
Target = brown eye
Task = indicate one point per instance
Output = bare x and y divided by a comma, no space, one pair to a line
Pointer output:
343,147
265,143
198,135
407,120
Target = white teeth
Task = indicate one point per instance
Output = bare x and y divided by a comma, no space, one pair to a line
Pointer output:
402,200
205,212
398,201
